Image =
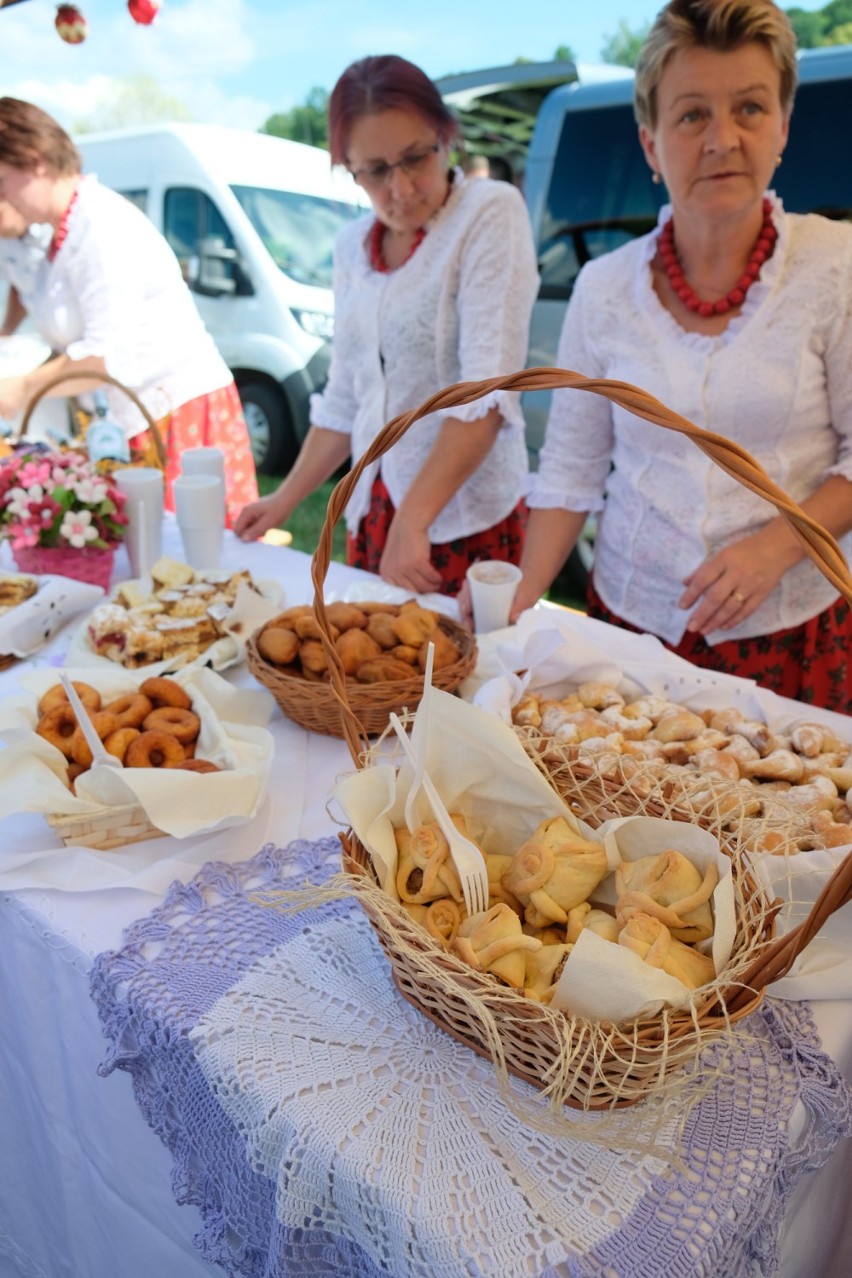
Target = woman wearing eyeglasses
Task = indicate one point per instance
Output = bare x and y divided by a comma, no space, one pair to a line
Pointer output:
435,286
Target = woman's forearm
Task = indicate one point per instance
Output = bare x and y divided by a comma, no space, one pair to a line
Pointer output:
15,313
78,372
830,505
550,538
458,451
322,453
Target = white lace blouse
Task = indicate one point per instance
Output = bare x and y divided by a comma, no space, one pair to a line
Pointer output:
778,380
457,310
115,290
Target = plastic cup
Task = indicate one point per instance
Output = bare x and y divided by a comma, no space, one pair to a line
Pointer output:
206,461
200,510
492,585
143,489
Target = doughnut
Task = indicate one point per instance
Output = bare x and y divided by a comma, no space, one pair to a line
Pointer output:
165,692
105,724
182,724
154,750
58,727
57,696
74,771
117,742
130,709
198,765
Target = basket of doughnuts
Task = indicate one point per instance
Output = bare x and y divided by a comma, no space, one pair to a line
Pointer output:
382,650
194,756
577,1057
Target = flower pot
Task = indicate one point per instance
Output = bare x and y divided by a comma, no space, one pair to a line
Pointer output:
91,565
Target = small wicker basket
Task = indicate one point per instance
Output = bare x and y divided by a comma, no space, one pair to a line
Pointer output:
580,1063
154,454
106,829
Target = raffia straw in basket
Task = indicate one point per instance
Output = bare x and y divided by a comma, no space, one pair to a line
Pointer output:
158,449
576,1062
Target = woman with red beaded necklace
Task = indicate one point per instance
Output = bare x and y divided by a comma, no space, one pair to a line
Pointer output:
435,286
738,315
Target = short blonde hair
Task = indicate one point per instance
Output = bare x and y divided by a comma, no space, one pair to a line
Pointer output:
722,25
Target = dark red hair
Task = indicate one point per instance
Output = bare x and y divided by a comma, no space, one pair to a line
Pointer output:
383,83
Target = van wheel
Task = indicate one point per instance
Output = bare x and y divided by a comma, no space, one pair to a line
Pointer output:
271,434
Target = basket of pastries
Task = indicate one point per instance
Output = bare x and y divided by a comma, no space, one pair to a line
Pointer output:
622,934
15,588
195,755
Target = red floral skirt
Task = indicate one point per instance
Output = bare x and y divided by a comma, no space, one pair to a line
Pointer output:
451,558
214,420
809,663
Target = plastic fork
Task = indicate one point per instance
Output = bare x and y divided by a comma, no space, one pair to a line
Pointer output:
466,856
100,756
424,716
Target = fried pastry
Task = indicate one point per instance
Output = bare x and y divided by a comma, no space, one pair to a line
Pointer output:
669,887
355,647
494,942
653,942
553,871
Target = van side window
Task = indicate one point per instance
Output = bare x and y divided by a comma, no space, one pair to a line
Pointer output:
139,198
190,216
601,195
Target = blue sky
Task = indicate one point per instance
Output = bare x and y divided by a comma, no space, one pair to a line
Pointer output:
237,61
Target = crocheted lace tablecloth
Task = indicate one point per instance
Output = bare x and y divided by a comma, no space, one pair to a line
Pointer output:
324,1127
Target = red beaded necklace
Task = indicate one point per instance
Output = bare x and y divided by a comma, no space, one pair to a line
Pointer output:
375,246
59,235
762,251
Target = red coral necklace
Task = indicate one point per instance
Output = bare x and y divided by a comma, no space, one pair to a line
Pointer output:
763,249
59,235
375,246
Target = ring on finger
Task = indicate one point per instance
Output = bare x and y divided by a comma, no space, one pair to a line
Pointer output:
738,595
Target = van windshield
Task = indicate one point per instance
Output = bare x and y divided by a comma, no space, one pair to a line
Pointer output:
298,230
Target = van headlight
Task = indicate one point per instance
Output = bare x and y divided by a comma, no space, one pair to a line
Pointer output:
317,323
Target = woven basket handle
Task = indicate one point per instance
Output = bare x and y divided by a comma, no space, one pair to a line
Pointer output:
731,457
101,377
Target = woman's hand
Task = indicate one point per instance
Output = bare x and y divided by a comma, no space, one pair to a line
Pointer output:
732,583
406,557
14,396
259,516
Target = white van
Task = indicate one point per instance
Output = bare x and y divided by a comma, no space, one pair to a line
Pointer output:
252,220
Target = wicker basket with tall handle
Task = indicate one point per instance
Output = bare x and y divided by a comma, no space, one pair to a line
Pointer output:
158,452
585,1064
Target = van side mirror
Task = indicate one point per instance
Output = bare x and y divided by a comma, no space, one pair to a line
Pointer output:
218,270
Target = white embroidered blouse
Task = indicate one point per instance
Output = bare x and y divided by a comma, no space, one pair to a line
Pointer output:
457,310
778,380
115,290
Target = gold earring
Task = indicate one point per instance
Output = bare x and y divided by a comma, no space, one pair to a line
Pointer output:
778,161
656,179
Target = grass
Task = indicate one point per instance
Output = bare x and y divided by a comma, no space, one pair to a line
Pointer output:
307,520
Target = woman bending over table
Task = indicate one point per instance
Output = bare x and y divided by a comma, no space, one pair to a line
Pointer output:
739,316
435,286
109,297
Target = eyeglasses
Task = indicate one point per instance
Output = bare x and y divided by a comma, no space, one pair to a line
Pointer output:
378,175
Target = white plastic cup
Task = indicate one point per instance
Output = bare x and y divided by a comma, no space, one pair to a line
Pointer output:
205,461
492,583
143,489
200,510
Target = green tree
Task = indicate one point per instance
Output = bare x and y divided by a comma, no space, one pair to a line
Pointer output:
624,46
307,122
564,53
829,25
132,100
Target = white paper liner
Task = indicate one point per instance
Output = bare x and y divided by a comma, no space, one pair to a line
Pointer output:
28,626
250,611
233,735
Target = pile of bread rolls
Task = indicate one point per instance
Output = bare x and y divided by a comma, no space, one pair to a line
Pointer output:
808,767
376,641
155,727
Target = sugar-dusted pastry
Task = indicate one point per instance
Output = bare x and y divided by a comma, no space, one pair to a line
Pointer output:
678,724
631,727
725,720
584,916
718,763
494,942
669,887
355,646
778,765
648,707
425,871
527,713
542,970
596,695
553,871
653,942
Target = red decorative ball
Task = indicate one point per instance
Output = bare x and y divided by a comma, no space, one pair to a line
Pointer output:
143,11
70,24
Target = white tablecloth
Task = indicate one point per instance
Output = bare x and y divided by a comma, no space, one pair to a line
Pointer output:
85,1189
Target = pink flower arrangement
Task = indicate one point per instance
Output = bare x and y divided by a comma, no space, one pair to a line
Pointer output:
59,499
